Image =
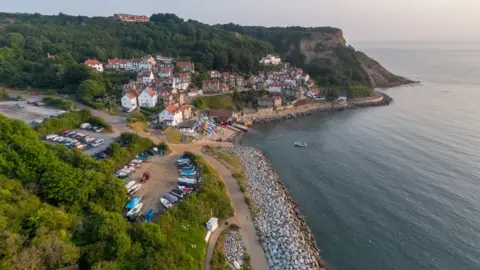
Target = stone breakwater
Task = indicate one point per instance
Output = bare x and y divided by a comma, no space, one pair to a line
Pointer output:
283,232
350,106
233,248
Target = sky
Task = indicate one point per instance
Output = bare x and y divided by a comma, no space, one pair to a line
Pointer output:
360,20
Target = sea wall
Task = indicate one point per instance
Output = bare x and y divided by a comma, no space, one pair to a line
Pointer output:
283,232
380,100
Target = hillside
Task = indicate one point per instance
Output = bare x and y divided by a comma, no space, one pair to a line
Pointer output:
26,39
324,53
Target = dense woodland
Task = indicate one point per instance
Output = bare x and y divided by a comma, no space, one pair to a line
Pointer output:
60,207
26,39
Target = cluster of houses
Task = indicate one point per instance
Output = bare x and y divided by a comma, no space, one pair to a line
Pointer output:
131,18
271,60
160,78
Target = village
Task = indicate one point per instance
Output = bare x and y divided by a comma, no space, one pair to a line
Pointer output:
164,85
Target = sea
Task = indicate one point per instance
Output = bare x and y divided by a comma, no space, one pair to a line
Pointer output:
394,187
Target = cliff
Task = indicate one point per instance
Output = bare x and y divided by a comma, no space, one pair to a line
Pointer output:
324,53
379,76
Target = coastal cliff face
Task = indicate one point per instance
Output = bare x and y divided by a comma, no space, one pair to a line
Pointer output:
331,50
323,52
380,76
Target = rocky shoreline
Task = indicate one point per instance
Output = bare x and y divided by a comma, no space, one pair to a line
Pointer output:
351,106
283,232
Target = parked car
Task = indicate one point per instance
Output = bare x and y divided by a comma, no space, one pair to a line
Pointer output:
85,125
49,137
100,155
81,146
37,121
39,103
71,134
97,142
64,132
98,129
31,102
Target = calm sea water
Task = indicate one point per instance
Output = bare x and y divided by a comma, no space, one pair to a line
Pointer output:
394,187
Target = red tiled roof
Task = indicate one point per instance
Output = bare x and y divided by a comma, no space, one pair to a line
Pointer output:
226,74
150,91
220,113
92,62
184,64
131,95
193,90
172,109
222,86
114,61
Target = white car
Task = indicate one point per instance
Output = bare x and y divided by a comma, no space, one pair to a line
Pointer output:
37,121
50,137
97,142
81,146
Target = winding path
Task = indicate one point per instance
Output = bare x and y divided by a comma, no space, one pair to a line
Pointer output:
242,218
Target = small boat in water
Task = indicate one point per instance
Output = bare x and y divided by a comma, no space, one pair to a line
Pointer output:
300,144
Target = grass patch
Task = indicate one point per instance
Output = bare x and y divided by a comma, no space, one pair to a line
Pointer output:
232,162
219,260
70,120
176,137
214,102
139,127
58,103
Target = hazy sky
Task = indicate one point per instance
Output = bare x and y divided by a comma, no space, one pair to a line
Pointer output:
361,20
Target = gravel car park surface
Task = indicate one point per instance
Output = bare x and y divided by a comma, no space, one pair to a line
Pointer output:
163,177
107,137
26,112
89,150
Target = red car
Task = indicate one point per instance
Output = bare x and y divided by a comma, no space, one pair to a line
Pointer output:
64,132
32,102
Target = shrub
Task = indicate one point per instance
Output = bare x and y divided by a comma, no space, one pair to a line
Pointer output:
70,120
58,103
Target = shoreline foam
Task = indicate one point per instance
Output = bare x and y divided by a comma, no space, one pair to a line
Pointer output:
283,231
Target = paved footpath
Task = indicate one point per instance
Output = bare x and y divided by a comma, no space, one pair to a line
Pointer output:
243,218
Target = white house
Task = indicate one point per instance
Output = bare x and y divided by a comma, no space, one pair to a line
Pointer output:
271,60
189,126
275,87
129,101
172,115
194,92
95,64
146,77
147,98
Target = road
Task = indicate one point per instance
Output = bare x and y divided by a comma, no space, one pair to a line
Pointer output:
242,218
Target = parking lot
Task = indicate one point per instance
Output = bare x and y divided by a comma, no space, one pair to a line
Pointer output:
163,177
89,150
26,112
